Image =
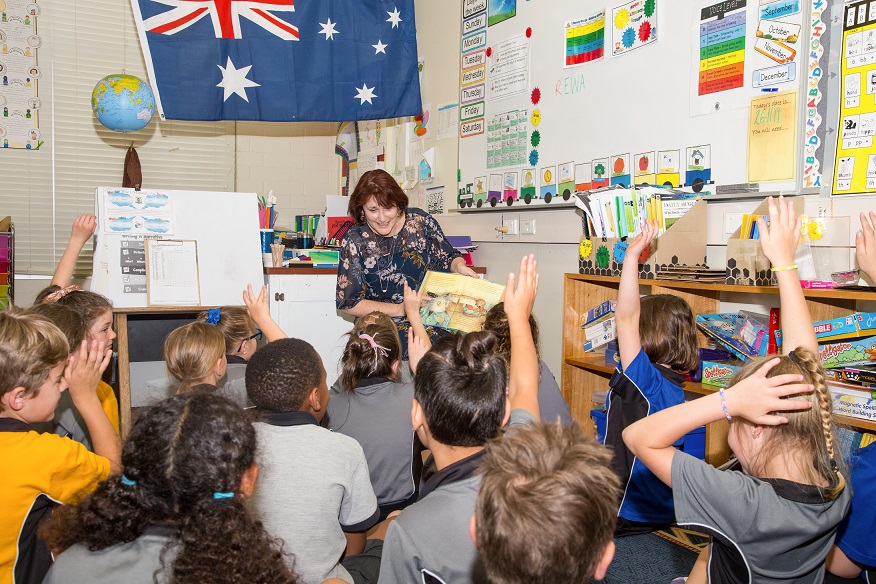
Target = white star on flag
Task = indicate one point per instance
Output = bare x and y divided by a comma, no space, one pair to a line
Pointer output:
394,17
328,29
379,47
235,81
364,94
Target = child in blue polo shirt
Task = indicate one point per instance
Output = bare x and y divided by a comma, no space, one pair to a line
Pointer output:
657,342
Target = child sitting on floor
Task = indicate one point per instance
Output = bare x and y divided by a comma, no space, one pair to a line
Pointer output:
372,404
195,357
314,492
39,471
776,520
553,481
177,515
462,397
657,342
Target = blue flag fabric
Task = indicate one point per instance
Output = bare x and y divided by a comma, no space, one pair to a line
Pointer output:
281,60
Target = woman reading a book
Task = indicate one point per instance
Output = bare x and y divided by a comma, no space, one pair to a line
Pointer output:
390,245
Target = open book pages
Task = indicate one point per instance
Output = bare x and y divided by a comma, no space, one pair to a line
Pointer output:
457,302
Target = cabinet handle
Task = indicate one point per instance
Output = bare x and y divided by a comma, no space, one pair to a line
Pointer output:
277,296
282,296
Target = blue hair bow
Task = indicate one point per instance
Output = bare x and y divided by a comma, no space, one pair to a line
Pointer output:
213,316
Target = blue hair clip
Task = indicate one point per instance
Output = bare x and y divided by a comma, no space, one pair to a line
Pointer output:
128,482
213,316
218,496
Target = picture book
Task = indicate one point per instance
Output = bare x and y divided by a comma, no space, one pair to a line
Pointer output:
456,302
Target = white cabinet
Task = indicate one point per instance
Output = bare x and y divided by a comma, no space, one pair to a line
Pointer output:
303,304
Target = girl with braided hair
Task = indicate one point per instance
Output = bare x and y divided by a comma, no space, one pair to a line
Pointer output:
371,402
776,520
177,514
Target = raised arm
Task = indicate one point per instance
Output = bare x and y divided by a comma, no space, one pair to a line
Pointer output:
865,246
82,373
779,242
260,312
756,398
628,304
412,303
83,229
520,294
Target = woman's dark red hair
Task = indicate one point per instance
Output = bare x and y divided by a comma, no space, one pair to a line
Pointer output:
380,185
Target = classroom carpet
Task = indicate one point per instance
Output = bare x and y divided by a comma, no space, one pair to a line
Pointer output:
654,558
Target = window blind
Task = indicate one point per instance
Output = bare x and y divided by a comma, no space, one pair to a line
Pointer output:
44,190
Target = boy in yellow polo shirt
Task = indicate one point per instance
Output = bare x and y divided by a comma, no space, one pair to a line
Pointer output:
39,471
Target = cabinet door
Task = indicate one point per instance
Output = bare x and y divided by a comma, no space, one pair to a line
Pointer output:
304,307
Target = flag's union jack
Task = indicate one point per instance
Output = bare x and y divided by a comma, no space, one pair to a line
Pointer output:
233,59
225,15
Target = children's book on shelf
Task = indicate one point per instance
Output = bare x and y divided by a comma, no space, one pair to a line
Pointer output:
722,328
457,302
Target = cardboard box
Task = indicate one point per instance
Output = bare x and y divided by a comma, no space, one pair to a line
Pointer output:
594,313
848,352
835,329
746,264
683,244
853,402
610,334
853,375
612,354
720,373
599,327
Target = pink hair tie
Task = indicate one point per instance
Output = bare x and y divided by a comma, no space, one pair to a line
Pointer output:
58,294
383,350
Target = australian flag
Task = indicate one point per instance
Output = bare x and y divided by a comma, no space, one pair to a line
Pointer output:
281,60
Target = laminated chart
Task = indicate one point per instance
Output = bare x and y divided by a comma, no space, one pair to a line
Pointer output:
855,169
20,72
506,139
722,47
585,40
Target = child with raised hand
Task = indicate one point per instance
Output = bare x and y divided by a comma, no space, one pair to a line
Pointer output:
83,229
854,553
177,515
657,343
194,355
372,404
551,404
462,398
41,470
774,521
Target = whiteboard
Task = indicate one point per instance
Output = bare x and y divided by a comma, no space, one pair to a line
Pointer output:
225,226
645,100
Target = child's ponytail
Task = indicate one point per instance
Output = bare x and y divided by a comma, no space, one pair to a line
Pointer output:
826,462
191,353
371,351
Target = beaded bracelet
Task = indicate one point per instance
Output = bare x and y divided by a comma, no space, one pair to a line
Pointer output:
784,269
724,405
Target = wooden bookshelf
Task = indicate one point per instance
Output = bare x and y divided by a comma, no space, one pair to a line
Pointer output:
583,373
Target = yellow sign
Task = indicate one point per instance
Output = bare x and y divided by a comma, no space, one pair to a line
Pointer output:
855,164
536,117
772,137
585,249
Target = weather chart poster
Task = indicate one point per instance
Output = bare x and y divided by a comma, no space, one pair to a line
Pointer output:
19,74
634,25
855,170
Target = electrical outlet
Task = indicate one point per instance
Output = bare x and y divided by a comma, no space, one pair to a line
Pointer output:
527,227
732,222
511,224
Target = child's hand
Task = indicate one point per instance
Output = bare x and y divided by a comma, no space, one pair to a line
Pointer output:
643,240
412,301
520,298
758,398
85,367
257,307
83,228
417,347
865,245
779,240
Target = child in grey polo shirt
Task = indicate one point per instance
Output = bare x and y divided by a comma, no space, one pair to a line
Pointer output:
460,402
371,402
314,491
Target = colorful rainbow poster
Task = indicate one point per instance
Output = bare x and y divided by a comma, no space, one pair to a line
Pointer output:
722,47
585,40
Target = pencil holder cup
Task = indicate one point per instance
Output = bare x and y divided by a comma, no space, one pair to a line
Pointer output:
305,240
267,238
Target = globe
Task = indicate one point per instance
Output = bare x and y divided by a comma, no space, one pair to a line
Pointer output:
123,103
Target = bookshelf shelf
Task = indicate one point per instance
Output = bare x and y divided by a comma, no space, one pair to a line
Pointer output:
583,373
